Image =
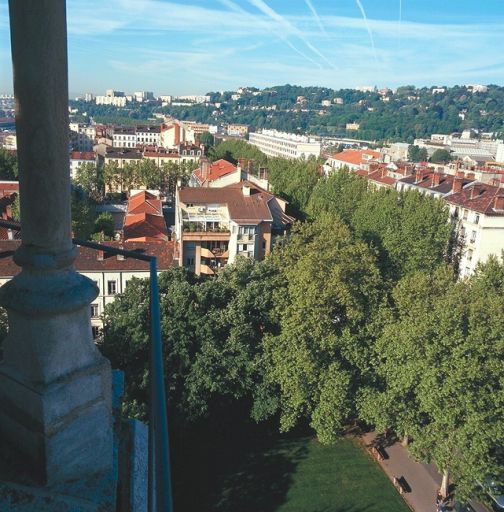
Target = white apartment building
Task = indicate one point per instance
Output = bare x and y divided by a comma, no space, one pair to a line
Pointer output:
82,136
141,96
286,145
478,210
124,138
148,135
116,101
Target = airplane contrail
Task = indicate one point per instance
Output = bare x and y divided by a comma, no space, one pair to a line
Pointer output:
266,9
316,16
368,28
236,8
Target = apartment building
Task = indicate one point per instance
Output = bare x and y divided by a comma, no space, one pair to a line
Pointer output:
478,211
237,130
124,138
82,136
148,135
286,145
216,225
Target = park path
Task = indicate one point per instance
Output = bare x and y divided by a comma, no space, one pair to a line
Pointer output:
423,479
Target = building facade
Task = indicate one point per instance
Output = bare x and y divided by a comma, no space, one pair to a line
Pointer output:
216,225
285,145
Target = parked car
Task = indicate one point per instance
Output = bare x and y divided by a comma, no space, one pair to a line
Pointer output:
495,491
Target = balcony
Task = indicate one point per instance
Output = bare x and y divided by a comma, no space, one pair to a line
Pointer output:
207,270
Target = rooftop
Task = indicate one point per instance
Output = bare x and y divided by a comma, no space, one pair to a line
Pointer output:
356,156
216,170
480,197
87,259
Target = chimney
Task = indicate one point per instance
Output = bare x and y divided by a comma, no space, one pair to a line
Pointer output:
418,175
242,162
100,255
205,168
499,202
383,172
246,191
436,178
457,183
475,191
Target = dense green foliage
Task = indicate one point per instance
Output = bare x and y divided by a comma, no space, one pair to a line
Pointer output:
8,165
440,156
407,114
417,154
357,314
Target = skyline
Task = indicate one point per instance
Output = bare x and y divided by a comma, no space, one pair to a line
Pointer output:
202,46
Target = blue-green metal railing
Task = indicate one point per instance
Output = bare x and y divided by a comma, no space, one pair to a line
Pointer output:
159,473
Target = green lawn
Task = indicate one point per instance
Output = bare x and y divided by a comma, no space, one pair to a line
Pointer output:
271,473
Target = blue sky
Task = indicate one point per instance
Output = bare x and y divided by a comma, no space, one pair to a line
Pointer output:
195,46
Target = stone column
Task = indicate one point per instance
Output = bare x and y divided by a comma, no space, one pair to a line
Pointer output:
55,387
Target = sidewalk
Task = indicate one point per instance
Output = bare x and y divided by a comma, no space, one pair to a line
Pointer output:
423,479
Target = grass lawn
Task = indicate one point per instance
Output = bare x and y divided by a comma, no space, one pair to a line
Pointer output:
272,473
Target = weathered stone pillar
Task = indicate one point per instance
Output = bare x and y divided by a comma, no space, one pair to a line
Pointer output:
55,387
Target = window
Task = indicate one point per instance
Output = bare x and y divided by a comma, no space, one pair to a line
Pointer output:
112,287
476,219
465,215
94,310
469,254
473,236
96,331
190,262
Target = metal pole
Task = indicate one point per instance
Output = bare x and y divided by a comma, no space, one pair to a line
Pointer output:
161,440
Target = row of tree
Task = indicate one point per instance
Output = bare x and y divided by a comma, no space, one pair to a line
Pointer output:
97,181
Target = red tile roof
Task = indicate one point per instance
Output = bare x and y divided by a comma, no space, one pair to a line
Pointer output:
242,209
378,177
145,227
82,155
145,202
216,170
356,156
479,197
7,187
87,259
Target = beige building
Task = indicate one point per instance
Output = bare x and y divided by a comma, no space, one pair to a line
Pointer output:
216,225
285,145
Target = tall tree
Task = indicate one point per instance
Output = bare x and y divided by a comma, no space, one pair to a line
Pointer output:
321,356
90,179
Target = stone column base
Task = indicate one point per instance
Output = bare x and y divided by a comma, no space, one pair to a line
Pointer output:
60,430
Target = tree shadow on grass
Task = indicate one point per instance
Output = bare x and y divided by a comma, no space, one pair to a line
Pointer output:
246,469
